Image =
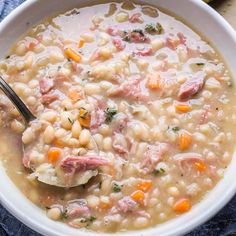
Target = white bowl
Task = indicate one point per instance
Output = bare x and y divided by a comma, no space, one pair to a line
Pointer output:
206,21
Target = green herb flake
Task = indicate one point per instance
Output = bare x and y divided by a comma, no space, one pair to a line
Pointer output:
126,38
116,188
110,113
159,171
159,28
71,121
150,28
69,60
176,129
140,31
200,64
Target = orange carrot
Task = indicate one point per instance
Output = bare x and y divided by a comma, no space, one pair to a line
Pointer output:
154,82
75,94
145,186
84,118
72,54
200,166
53,155
185,140
138,196
105,205
181,206
81,43
183,107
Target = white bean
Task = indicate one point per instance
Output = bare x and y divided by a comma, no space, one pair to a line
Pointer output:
76,129
54,213
49,134
84,137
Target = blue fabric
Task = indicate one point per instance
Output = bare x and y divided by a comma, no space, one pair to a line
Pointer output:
223,224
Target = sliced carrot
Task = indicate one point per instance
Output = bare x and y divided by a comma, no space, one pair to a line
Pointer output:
105,205
138,196
154,82
75,95
53,155
200,166
183,107
181,206
145,186
81,43
84,118
185,140
72,54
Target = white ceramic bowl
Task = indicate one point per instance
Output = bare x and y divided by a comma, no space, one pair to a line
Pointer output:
206,21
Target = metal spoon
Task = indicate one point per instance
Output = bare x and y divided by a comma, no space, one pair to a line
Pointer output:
46,175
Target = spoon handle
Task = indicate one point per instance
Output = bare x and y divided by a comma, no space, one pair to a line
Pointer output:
28,116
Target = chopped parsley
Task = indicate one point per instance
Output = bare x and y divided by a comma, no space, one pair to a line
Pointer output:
71,121
126,38
117,188
88,220
110,113
200,64
176,129
150,28
69,60
140,31
154,29
157,172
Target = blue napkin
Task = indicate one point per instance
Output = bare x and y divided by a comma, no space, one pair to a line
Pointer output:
223,224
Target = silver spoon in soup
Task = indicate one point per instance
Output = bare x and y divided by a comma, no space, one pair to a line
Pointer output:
46,173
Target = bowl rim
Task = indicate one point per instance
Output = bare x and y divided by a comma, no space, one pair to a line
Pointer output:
211,211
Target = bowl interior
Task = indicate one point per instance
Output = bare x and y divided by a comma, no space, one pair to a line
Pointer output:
195,13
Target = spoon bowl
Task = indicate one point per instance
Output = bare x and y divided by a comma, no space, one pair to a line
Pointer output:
46,173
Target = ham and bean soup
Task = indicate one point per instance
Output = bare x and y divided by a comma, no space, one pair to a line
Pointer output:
135,117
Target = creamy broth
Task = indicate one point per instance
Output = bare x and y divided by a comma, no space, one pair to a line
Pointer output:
134,104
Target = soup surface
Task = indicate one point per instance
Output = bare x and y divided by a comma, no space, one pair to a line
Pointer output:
133,106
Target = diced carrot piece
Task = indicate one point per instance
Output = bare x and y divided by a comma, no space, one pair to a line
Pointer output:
84,118
183,107
72,54
182,206
53,155
154,82
138,196
185,140
105,206
75,95
81,43
200,166
145,186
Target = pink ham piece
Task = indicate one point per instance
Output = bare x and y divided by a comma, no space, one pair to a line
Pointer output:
132,89
77,208
154,154
144,53
127,204
82,163
186,158
191,87
119,44
136,18
97,119
97,115
138,37
182,38
50,97
119,144
45,85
